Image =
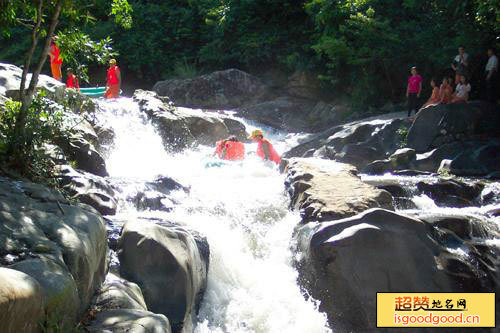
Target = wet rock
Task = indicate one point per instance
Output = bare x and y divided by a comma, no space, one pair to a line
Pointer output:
464,227
61,246
181,127
166,185
21,302
403,157
394,190
121,308
324,190
218,90
84,154
89,189
457,122
346,262
169,264
152,200
451,193
10,79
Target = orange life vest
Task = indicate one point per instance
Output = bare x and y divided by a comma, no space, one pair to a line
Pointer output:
112,75
56,54
230,150
72,82
273,155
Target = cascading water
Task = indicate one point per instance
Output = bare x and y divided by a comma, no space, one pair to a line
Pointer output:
242,210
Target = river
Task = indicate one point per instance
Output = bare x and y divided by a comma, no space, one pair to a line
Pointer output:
242,210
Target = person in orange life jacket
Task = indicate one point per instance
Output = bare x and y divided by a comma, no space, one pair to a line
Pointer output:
55,59
114,80
230,149
71,80
265,149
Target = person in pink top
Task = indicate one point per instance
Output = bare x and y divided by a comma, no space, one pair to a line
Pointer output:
413,90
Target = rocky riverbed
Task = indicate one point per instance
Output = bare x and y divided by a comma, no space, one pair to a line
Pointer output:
151,237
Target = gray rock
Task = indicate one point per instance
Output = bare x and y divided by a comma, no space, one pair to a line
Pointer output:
181,127
323,190
88,188
129,321
451,193
21,302
458,122
359,142
480,161
10,79
63,247
218,90
170,266
117,293
346,262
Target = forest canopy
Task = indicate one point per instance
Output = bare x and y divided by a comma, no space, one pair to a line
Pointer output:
359,48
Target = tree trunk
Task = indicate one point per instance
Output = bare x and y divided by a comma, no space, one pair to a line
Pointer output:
27,94
35,34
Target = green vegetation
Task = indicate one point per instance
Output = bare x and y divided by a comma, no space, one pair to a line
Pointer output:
27,124
358,48
43,123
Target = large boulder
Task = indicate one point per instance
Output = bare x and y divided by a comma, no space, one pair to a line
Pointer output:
442,124
169,264
21,302
10,80
323,190
181,127
61,246
358,143
346,262
226,89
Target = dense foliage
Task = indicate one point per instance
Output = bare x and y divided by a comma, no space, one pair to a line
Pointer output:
362,48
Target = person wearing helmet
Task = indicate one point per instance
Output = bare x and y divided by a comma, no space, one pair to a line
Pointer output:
230,149
114,80
265,149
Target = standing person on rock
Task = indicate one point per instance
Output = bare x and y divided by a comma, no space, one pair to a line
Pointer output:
55,59
413,90
491,71
114,80
460,64
265,149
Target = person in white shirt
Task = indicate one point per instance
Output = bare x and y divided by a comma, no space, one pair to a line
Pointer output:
460,64
462,91
491,71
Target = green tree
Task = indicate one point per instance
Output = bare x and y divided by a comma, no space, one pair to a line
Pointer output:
41,18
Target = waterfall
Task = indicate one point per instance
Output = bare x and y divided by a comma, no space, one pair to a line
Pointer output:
240,207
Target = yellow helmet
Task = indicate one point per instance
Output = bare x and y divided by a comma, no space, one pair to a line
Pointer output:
112,61
255,133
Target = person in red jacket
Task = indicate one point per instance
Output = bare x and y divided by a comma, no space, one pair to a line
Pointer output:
230,149
71,80
55,59
265,149
114,80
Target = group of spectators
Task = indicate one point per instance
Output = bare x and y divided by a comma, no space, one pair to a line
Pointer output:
451,90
